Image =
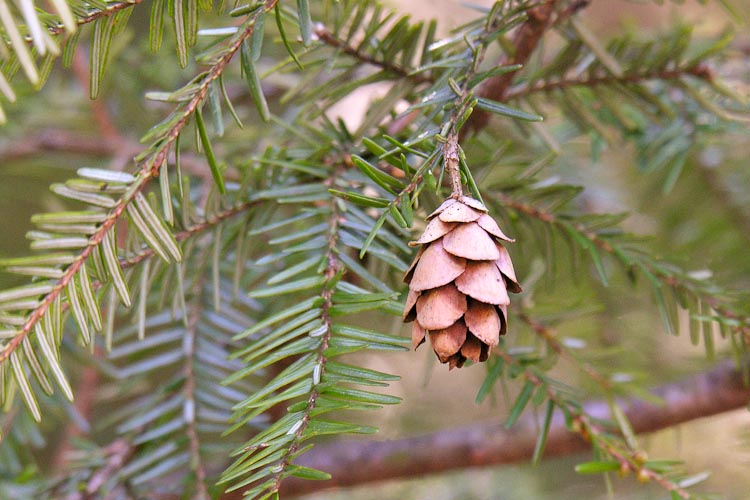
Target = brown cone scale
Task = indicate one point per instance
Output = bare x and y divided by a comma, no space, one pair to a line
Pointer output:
459,283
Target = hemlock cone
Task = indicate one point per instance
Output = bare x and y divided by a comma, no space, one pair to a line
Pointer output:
459,283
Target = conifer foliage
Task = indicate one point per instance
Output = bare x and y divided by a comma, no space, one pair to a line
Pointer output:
184,326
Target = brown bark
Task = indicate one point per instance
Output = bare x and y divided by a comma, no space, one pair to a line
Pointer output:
356,462
525,41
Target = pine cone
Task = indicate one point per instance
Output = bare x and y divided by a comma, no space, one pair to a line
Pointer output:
459,283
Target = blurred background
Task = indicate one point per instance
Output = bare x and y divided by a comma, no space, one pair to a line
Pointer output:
704,223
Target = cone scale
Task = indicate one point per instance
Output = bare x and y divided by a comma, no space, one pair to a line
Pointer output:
459,283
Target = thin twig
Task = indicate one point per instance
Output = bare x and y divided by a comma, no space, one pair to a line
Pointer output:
111,9
450,155
550,339
519,91
331,40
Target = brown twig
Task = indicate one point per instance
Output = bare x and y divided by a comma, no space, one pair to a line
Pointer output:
550,338
360,462
331,40
519,91
450,156
111,9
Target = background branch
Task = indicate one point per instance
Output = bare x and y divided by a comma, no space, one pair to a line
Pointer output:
356,462
700,71
525,41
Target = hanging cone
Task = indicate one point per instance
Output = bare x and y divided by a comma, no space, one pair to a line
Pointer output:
459,283
471,242
440,307
435,268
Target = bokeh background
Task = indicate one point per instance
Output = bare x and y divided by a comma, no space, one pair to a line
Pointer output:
699,224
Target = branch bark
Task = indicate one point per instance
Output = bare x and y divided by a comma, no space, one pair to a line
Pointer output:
356,462
525,41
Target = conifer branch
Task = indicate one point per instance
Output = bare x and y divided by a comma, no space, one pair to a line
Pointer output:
583,424
149,170
111,9
189,346
332,40
549,337
206,225
670,279
330,273
700,71
484,444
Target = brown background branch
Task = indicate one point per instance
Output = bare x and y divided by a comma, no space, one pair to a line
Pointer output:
356,462
525,42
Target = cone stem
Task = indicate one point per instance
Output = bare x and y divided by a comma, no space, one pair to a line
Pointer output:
450,155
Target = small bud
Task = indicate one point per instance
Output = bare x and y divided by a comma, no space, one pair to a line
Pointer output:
643,476
640,457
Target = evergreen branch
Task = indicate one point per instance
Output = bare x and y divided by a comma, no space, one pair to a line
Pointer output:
203,226
149,170
662,274
189,345
549,337
332,40
700,71
300,340
208,224
332,268
583,424
182,411
716,391
111,9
